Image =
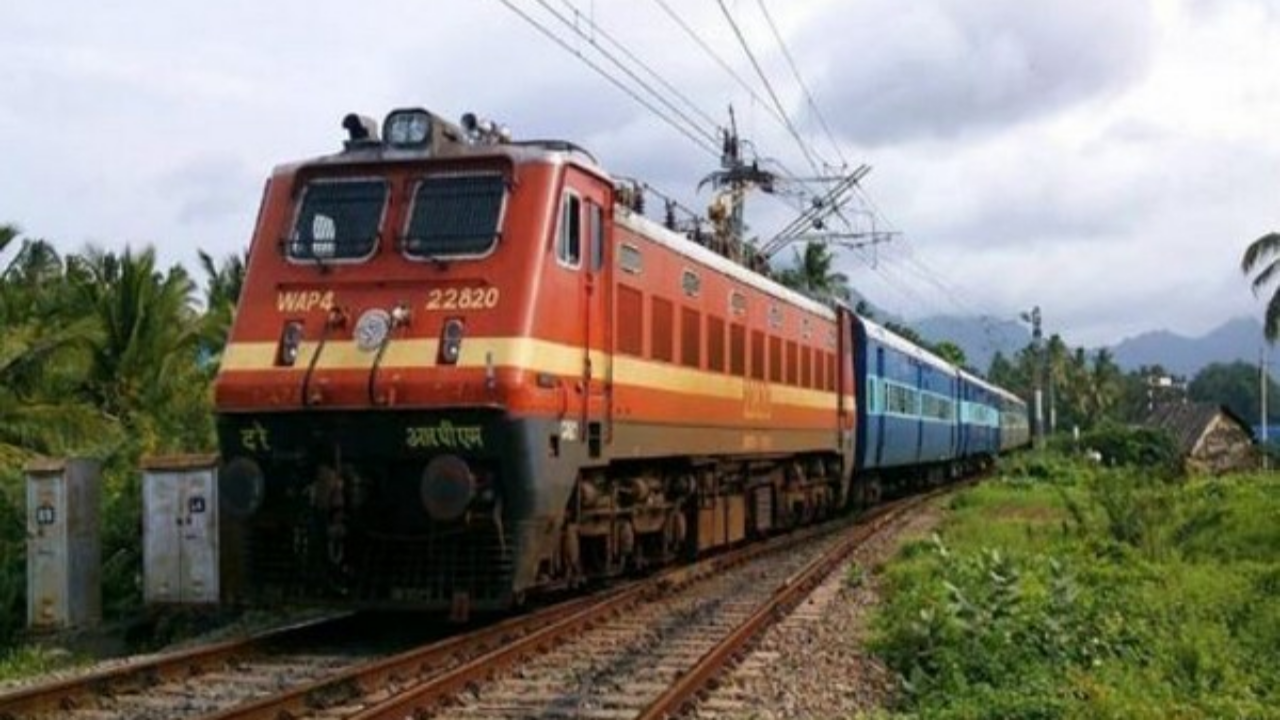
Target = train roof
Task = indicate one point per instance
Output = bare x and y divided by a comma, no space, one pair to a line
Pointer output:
886,336
988,386
1008,395
541,151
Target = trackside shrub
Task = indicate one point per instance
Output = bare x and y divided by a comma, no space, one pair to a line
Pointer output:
1134,446
1097,593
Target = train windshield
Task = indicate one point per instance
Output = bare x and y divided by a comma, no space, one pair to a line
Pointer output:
455,216
338,220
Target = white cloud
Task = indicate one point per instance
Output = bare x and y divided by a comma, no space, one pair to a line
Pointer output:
1106,160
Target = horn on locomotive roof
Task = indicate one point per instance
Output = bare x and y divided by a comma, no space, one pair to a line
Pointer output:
482,131
361,130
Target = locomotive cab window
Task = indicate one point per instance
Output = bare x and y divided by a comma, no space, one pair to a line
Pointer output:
337,220
455,216
569,239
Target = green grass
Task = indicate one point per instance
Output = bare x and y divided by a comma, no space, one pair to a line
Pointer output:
1070,591
30,660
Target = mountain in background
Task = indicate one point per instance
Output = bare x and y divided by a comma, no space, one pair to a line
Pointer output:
981,337
1238,339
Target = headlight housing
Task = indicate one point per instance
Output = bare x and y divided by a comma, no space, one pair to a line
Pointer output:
451,341
290,341
407,128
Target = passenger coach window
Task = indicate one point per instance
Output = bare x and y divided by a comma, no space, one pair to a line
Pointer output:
455,215
569,242
338,220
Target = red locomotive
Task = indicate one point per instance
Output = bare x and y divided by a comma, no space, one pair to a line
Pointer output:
465,369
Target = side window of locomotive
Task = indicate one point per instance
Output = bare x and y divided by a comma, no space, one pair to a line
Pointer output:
569,240
338,220
455,216
595,218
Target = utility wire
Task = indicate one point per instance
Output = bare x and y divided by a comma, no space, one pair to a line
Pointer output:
699,141
595,27
813,105
768,86
709,135
724,65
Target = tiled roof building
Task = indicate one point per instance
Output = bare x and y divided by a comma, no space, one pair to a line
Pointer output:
1209,437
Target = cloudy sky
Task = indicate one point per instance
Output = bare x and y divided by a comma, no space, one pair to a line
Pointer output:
1107,160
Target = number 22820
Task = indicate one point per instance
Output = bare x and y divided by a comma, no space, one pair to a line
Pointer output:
467,298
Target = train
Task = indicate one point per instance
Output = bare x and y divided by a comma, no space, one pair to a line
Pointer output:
466,370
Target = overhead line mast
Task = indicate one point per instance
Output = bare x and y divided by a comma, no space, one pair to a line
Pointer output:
737,175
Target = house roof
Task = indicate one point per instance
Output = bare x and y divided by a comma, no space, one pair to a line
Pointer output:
1187,422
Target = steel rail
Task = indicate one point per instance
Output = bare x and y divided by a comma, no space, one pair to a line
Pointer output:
417,664
438,690
68,694
785,598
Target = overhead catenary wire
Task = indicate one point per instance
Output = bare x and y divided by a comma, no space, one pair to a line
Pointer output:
768,86
804,87
648,69
724,64
708,134
680,118
701,142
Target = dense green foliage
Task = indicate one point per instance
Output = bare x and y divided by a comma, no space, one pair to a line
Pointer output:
1133,445
1070,590
1236,386
1084,389
102,354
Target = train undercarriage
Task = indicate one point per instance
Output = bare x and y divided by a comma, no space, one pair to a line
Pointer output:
476,511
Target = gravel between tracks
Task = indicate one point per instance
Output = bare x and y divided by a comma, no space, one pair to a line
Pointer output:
814,664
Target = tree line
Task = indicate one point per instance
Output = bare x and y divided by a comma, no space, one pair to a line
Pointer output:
105,354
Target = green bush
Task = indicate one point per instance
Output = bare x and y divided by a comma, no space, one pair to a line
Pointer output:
1134,446
1101,593
13,555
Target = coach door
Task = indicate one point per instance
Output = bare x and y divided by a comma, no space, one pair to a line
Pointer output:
596,294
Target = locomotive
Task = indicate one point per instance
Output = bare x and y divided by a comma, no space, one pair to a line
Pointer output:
467,369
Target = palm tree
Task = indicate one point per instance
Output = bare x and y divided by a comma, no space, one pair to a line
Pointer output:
813,275
1265,251
43,349
143,361
221,294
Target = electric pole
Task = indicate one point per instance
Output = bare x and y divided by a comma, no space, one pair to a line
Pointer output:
1037,345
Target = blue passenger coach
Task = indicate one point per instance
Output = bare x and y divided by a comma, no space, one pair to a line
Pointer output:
1015,425
979,417
908,414
920,418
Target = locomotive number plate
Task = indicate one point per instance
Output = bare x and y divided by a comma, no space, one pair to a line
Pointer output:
467,298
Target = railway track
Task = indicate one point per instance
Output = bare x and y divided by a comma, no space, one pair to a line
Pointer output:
201,679
641,649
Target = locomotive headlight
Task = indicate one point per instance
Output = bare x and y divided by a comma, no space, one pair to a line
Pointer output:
406,128
447,487
451,341
371,329
290,339
240,487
